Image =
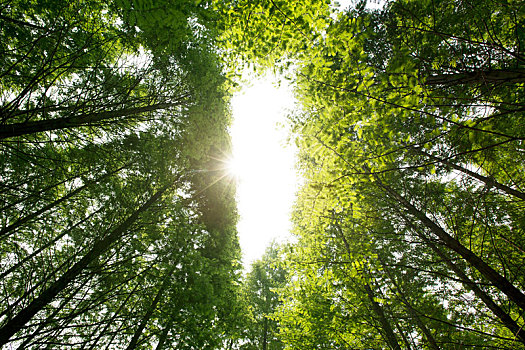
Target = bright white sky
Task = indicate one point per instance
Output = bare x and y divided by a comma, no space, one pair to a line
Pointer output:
263,164
267,181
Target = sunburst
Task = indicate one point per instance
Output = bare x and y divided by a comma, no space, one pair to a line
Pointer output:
233,167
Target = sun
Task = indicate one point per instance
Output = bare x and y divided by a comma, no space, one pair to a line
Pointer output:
233,167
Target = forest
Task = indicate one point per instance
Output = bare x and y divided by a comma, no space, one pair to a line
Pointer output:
118,216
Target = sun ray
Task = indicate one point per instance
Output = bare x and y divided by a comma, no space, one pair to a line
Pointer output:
234,167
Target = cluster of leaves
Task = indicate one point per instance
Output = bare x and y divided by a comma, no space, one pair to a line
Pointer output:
268,33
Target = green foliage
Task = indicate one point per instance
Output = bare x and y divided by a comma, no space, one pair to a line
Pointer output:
412,177
268,33
112,119
260,288
409,226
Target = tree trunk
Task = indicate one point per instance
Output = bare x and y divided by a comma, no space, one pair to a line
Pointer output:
19,129
99,247
486,180
414,315
491,76
488,272
265,334
41,192
53,204
428,335
147,316
403,336
45,246
53,314
389,335
112,318
164,335
410,309
505,318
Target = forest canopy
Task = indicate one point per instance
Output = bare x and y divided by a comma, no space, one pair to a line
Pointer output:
118,218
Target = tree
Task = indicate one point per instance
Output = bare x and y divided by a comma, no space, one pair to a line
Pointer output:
404,145
260,290
115,229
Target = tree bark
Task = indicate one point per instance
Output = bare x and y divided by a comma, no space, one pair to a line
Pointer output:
99,247
45,246
147,316
497,280
265,334
491,76
53,314
164,335
41,192
389,335
486,180
37,213
505,318
112,318
19,129
428,334
411,311
403,337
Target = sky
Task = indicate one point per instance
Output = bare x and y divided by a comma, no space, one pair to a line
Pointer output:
263,164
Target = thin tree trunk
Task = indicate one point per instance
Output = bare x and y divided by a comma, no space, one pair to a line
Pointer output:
32,288
411,311
112,318
147,316
53,204
100,246
428,334
488,272
493,76
486,180
45,246
505,318
265,334
164,335
41,192
19,129
22,23
403,336
389,335
53,314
